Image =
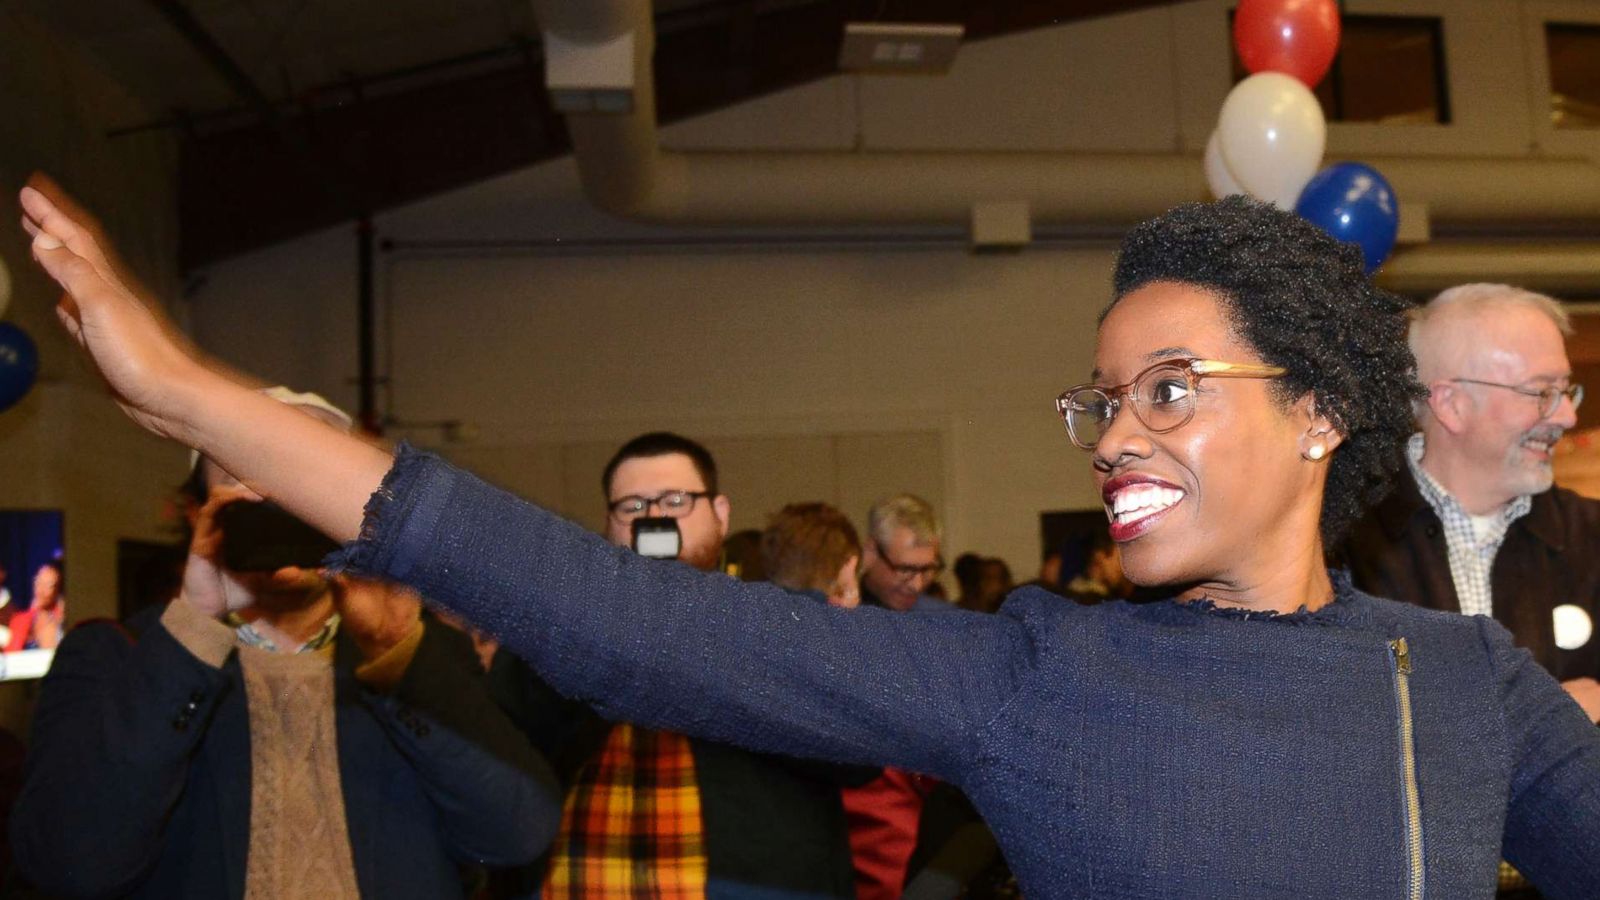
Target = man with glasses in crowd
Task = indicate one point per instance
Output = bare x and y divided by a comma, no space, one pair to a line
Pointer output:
1478,528
708,820
902,557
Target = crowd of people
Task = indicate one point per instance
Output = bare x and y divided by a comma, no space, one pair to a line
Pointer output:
1325,647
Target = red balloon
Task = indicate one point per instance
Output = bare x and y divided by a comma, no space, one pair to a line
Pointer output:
1295,37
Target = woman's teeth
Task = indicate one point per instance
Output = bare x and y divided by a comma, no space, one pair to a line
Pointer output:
1140,501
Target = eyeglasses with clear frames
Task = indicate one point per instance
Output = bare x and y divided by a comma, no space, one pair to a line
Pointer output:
1163,397
673,504
1549,397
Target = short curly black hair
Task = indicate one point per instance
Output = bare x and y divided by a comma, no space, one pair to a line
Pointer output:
1304,301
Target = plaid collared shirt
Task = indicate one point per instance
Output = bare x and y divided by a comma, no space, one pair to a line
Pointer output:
632,826
1471,554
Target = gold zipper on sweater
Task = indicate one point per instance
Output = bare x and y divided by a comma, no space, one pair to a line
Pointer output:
1408,765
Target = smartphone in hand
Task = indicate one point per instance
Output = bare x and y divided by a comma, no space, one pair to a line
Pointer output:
263,537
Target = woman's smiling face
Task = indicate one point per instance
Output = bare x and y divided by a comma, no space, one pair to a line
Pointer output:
1229,491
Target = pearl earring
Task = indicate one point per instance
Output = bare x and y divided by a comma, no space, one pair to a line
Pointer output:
1316,452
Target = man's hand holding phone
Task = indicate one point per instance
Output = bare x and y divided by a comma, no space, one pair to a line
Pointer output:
206,584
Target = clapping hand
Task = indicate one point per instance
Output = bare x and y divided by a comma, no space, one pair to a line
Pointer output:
376,614
1587,692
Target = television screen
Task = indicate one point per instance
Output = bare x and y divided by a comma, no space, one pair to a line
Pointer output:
33,591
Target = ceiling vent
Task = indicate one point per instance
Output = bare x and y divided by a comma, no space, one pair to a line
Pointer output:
899,48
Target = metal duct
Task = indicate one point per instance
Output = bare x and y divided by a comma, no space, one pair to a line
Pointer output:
624,171
1562,269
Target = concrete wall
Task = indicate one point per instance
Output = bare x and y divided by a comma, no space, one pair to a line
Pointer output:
837,372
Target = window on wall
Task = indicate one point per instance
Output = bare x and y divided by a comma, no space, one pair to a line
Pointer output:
1390,69
1574,75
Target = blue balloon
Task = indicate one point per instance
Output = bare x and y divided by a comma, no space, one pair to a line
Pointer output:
1353,203
19,365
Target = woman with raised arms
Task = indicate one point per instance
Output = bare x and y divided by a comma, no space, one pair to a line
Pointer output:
1267,732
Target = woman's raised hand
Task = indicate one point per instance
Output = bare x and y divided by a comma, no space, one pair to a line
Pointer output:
149,367
313,470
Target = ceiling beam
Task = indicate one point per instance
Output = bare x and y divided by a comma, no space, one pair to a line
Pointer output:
217,58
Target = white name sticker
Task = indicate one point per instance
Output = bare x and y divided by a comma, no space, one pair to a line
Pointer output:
1573,626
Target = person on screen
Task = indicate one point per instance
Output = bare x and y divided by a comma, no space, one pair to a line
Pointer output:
39,626
6,609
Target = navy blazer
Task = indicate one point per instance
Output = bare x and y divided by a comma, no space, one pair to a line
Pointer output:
138,777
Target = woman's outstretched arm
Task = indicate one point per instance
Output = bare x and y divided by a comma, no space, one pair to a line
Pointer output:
652,642
661,644
318,473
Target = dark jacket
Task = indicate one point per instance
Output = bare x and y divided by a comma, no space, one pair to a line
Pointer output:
138,778
1310,755
1551,556
774,826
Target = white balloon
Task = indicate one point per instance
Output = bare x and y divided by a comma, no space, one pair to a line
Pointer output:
1573,626
1218,178
5,286
1271,135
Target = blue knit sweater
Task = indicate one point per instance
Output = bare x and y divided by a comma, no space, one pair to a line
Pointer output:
1165,750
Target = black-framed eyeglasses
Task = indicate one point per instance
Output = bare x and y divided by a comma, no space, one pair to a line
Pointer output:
673,504
1163,397
906,573
1549,397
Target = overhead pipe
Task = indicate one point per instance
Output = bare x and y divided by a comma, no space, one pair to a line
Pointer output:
625,171
1567,269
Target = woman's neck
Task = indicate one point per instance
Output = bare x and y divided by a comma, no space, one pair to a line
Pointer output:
1282,588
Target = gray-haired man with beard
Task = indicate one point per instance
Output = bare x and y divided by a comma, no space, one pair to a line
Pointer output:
1478,528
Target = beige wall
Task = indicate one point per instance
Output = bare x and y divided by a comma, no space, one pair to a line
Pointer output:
836,375
67,446
816,372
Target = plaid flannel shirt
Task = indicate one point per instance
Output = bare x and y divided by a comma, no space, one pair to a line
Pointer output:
632,825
